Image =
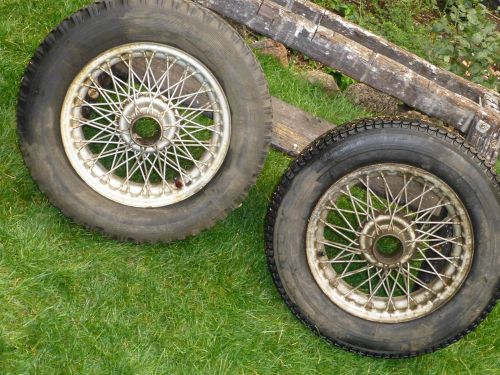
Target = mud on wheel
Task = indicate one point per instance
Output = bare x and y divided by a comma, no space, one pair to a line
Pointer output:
383,237
146,120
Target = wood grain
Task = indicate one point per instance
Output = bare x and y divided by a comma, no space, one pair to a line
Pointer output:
294,129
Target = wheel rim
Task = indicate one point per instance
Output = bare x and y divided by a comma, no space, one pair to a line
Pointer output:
146,125
389,243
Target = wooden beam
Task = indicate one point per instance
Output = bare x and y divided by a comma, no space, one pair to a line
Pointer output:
294,129
302,29
336,23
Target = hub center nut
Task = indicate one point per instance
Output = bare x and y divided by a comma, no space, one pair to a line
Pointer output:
387,241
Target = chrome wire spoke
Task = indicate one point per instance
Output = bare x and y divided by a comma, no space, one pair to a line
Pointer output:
368,280
354,272
100,109
178,86
370,192
357,204
342,261
344,218
189,124
192,96
389,243
119,86
164,78
102,137
339,246
376,287
146,125
391,294
101,90
396,201
339,232
427,259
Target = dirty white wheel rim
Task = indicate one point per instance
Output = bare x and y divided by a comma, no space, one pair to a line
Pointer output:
146,125
430,252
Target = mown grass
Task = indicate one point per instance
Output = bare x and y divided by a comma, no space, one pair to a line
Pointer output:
74,302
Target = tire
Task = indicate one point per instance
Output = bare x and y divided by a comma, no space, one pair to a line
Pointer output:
451,292
180,72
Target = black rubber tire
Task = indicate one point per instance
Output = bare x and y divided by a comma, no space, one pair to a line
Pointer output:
344,150
177,23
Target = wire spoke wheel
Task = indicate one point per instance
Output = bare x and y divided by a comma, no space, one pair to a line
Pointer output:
146,125
145,120
390,243
383,237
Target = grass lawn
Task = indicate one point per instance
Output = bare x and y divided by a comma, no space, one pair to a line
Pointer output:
74,302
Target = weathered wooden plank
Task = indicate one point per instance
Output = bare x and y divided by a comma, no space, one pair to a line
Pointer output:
331,48
294,129
336,23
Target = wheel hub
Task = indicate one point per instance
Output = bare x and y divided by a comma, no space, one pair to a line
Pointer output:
161,118
387,241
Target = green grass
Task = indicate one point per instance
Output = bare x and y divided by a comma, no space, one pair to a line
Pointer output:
74,302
